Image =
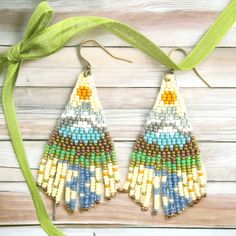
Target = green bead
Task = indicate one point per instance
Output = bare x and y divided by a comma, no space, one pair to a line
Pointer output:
173,166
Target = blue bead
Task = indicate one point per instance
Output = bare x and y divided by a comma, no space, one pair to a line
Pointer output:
164,172
156,191
165,210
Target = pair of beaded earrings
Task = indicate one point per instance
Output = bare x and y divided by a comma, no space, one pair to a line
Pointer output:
79,160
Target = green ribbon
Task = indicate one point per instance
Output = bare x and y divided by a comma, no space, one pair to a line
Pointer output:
41,40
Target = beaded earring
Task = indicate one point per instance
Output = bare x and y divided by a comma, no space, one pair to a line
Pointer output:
165,160
80,155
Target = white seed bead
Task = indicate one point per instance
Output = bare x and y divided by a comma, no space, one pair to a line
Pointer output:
144,183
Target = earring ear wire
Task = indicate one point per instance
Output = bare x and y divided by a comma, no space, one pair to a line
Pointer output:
86,62
194,69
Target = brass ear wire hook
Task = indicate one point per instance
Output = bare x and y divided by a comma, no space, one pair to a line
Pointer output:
88,65
194,69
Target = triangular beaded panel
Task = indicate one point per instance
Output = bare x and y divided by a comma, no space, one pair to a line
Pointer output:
79,156
166,161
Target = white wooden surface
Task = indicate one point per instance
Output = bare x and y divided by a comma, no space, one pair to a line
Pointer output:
127,92
27,231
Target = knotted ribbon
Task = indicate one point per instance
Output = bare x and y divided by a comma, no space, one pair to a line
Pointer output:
41,40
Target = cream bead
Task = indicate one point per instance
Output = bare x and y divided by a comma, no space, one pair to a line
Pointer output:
145,177
137,192
98,188
58,173
197,189
165,201
110,169
98,173
112,186
116,173
156,205
107,192
134,177
47,169
131,193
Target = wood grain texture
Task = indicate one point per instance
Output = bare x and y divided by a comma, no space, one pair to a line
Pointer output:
120,206
126,98
18,208
161,25
210,212
219,159
122,211
125,124
109,5
207,109
73,231
127,92
213,188
62,69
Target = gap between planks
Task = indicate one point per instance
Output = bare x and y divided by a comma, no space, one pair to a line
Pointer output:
143,72
210,212
37,121
185,26
216,157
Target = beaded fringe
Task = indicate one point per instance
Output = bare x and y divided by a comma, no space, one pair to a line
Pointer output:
79,156
165,161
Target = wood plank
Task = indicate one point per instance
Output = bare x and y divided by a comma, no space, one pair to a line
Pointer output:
219,159
186,27
125,124
52,71
210,212
19,208
75,231
213,188
217,210
123,98
108,5
37,231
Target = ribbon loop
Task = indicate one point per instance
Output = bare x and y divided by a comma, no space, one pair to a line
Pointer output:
39,20
14,54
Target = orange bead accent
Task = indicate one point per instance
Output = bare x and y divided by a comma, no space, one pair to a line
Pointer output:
169,97
62,177
190,178
84,92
